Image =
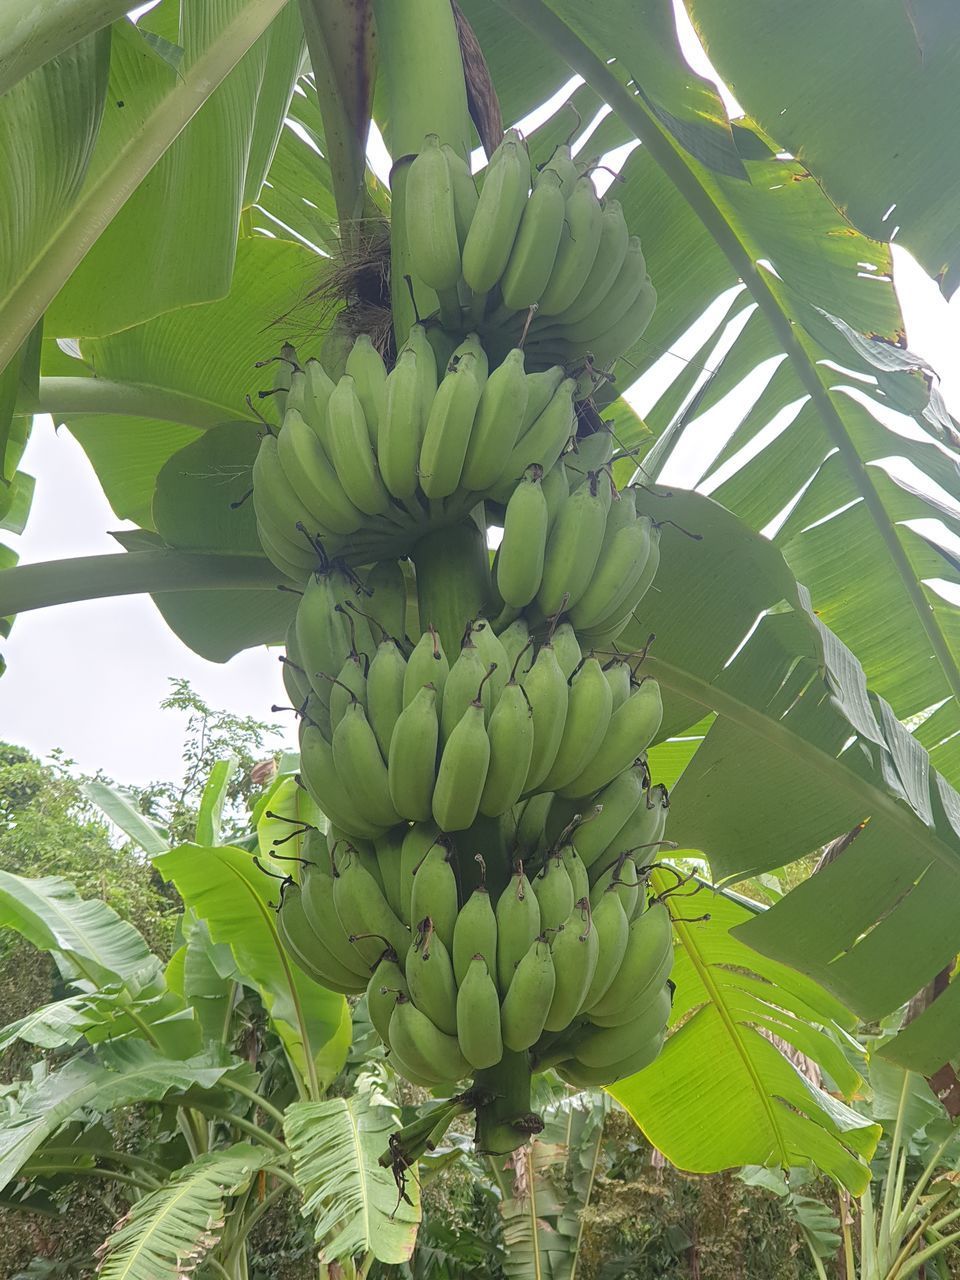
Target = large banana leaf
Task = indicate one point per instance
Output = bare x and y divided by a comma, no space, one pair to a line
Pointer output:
872,127
354,1203
81,134
170,1230
800,753
723,1092
122,1073
224,888
87,937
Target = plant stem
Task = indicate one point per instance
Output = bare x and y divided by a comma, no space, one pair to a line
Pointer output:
593,1173
503,1123
267,1107
59,396
453,581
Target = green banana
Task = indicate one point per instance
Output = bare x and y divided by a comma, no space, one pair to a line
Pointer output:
526,1005
387,852
351,451
465,194
601,1046
320,777
385,692
534,251
309,950
475,933
386,981
518,923
611,254
464,762
478,1015
361,768
618,801
547,692
632,728
412,757
591,453
435,891
494,658
577,250
610,627
615,303
493,228
363,909
582,1077
623,877
617,674
365,366
556,488
562,164
472,346
316,899
554,890
613,934
496,427
575,955
449,426
515,640
645,995
467,680
316,397
430,981
312,476
402,426
417,842
510,733
543,443
618,338
426,665
541,388
520,557
589,709
275,502
576,871
349,686
650,941
573,547
567,648
323,629
430,218
623,558
434,1055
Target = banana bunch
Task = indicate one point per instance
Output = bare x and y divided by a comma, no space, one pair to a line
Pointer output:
576,975
545,242
392,732
369,464
580,549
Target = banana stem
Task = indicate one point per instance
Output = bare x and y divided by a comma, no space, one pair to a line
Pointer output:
507,1121
453,581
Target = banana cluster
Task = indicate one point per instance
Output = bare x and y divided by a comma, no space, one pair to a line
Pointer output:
393,732
544,242
366,465
575,546
569,964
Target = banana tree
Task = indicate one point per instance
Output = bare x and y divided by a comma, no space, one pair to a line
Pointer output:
233,146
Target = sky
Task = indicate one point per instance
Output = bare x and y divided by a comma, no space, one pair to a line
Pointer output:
89,677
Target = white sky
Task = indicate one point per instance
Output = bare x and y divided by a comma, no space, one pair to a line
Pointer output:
89,677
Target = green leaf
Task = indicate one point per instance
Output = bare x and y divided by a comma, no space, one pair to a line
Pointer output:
122,1073
212,800
80,189
798,755
87,937
173,1228
33,32
52,1025
871,128
199,364
722,1093
292,809
122,812
226,890
353,1202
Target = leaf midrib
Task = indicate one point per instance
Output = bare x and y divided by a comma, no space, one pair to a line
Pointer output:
549,26
662,884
